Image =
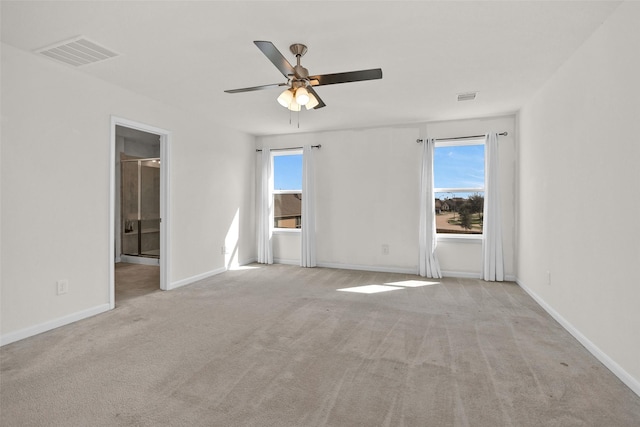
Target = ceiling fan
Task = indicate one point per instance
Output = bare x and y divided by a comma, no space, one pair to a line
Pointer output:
299,83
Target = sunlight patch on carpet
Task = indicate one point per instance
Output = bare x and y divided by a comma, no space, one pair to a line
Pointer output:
412,283
391,286
370,289
243,267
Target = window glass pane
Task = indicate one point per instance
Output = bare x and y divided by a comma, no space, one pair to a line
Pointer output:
287,172
459,213
287,210
287,179
460,166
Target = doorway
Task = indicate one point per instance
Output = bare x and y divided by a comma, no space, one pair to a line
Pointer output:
139,220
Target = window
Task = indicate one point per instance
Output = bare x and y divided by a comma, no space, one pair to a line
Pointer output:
287,190
458,172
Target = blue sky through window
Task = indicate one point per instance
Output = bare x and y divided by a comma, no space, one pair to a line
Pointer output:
287,172
459,166
453,167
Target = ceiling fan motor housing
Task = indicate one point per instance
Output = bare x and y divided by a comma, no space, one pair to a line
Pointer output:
301,72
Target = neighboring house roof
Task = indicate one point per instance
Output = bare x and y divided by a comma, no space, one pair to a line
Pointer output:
287,205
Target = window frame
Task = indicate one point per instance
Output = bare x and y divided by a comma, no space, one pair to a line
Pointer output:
460,237
274,153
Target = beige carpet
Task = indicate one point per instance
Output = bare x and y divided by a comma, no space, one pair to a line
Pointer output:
135,280
280,346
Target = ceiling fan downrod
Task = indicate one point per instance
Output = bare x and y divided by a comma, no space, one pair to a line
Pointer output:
299,50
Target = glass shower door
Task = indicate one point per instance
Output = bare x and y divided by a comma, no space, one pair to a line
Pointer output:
150,208
141,207
129,207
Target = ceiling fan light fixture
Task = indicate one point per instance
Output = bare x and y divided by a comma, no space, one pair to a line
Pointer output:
302,96
285,98
313,101
294,106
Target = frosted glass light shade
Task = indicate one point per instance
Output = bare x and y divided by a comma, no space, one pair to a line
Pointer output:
312,102
286,98
302,96
294,106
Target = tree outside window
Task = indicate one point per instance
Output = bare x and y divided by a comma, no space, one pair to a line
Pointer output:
458,169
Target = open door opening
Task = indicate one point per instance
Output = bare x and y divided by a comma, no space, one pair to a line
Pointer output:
139,220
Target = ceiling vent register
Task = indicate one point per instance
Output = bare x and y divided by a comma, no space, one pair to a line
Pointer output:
78,51
468,96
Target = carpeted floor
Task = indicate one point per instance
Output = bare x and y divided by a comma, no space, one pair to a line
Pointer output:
135,280
281,346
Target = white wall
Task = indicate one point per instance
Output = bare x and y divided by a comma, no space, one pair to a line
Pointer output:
55,190
579,188
367,191
367,183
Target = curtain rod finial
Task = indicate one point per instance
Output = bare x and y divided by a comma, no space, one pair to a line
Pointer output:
419,140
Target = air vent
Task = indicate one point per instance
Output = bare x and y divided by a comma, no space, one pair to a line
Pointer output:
468,96
78,51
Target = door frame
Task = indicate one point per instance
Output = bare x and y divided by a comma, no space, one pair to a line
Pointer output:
165,222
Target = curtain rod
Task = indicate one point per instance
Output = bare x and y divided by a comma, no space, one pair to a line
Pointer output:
461,137
291,148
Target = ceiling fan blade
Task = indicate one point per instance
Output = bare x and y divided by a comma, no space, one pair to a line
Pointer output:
275,57
250,89
320,101
348,77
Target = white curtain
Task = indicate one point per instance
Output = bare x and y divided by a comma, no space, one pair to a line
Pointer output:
308,238
429,266
493,260
265,209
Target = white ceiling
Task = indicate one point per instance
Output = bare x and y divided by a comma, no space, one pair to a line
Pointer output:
187,53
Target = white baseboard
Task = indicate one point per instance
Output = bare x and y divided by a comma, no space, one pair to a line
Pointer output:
192,279
460,274
286,261
625,377
367,268
52,324
468,275
383,269
74,317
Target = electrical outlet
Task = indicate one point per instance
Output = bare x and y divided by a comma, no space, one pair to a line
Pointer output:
385,249
62,287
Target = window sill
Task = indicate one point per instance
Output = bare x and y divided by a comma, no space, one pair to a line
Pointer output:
286,231
460,238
